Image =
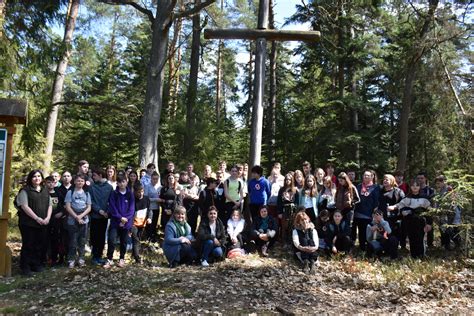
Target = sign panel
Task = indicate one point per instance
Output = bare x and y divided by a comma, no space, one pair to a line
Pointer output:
3,151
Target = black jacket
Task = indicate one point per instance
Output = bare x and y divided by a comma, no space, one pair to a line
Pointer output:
204,232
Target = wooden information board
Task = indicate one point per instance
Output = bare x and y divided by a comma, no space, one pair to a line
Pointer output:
3,151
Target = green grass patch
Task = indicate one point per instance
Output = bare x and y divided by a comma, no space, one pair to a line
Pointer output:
10,310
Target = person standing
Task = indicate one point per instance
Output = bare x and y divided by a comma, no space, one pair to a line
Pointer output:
100,192
78,205
34,214
369,193
412,208
276,182
121,213
146,179
152,191
233,190
259,191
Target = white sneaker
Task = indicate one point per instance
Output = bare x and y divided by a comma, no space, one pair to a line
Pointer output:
82,263
87,248
121,263
204,263
71,264
108,264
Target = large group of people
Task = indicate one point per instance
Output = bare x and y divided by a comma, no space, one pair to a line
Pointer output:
225,215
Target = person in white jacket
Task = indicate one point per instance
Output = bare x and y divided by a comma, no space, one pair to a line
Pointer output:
235,227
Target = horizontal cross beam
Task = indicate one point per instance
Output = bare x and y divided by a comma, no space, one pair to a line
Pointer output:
269,35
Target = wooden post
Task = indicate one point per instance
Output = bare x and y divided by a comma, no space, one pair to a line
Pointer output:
11,112
261,35
257,109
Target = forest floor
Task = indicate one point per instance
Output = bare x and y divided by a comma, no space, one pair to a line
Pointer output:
441,284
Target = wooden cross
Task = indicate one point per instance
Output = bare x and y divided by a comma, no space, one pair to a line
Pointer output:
260,35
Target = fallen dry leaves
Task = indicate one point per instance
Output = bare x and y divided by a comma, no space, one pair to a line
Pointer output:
247,285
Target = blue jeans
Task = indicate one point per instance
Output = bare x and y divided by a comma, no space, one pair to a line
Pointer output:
208,248
77,240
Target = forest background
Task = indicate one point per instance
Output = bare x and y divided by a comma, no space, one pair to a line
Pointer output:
388,86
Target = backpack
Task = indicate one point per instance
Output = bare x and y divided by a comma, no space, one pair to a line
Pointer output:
19,210
227,182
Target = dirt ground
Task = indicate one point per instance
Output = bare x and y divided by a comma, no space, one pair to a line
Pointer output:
247,285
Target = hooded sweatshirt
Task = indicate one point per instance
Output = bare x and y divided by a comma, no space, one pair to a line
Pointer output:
100,193
259,191
121,205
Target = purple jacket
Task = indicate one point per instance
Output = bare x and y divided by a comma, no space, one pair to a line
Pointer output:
121,205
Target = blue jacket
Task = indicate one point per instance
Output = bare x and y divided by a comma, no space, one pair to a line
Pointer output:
172,243
100,193
259,191
368,202
121,205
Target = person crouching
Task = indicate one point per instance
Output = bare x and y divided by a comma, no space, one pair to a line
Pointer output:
264,231
305,240
211,234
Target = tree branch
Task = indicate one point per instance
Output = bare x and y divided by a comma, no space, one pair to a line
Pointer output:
193,10
101,104
132,3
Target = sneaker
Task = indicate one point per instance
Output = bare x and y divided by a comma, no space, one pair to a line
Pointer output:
306,266
312,269
96,262
265,250
138,260
108,264
87,248
71,264
121,263
204,263
82,263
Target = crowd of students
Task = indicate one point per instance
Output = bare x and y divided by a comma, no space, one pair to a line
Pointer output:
224,214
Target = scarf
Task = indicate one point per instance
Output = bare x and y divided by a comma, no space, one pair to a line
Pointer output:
365,188
264,224
180,228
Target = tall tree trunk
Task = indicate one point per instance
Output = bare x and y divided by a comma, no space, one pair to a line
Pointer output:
173,70
355,121
405,115
340,50
354,110
59,82
3,4
150,122
192,87
410,74
272,97
392,125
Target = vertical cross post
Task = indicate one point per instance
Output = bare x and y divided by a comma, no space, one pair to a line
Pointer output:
261,35
259,90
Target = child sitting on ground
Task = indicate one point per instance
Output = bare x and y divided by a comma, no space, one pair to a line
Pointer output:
379,238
